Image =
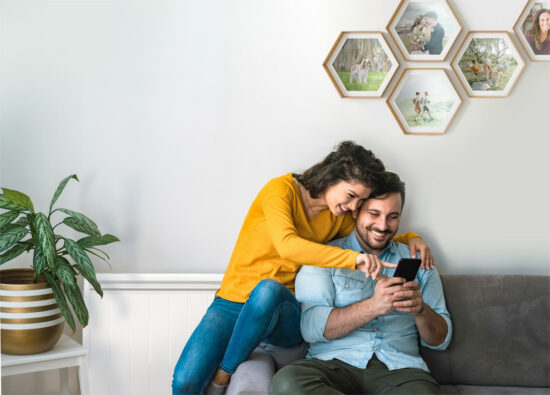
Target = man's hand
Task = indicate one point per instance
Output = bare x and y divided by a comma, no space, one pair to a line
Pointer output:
371,265
409,299
384,297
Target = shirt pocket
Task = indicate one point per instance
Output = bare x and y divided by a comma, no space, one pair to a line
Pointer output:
349,290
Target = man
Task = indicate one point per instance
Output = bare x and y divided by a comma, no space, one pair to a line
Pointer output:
434,34
363,334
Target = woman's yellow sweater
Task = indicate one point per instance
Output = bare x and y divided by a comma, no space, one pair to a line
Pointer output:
277,238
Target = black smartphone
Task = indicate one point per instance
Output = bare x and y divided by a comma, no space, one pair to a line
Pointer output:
407,268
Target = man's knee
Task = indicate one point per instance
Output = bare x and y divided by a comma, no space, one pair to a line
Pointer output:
287,380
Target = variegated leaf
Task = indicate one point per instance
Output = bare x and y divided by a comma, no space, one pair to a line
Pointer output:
18,198
6,204
12,253
92,241
60,188
46,238
83,263
10,235
38,261
8,217
60,299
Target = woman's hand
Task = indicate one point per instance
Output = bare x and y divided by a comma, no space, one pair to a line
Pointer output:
371,265
417,244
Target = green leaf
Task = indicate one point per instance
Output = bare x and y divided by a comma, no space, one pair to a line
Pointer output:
81,223
92,241
10,235
60,189
83,264
18,198
6,218
65,271
23,221
77,301
61,300
38,261
12,253
8,205
46,239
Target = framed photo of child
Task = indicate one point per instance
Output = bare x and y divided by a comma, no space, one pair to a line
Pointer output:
488,64
424,101
424,30
361,64
532,28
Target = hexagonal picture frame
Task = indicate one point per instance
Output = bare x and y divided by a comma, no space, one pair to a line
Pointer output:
361,64
424,101
530,27
488,64
424,30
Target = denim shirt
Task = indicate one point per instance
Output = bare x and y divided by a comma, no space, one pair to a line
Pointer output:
392,337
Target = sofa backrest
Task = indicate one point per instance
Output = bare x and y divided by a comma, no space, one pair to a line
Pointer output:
501,331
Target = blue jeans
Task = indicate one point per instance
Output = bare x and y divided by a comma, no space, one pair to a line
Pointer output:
230,331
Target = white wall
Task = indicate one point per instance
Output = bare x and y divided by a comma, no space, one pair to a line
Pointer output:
175,113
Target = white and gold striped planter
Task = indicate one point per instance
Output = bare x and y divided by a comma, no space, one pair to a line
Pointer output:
30,319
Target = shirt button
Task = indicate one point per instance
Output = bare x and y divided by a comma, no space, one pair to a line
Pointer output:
374,349
375,329
347,285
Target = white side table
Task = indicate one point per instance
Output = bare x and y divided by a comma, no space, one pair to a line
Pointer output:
67,353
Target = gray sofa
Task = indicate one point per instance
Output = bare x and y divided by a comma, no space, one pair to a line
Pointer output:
500,345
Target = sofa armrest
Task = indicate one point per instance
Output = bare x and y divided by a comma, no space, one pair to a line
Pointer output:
253,375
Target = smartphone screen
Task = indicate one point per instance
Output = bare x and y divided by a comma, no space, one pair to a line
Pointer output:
407,268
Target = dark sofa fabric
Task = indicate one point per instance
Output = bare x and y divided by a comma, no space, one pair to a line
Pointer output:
501,332
500,345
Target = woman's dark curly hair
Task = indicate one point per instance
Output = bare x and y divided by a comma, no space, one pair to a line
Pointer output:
348,162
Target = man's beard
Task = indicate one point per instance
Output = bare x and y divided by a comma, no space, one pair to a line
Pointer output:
369,243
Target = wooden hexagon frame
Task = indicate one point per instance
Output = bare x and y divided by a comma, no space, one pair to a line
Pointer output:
479,80
357,65
404,18
522,25
411,86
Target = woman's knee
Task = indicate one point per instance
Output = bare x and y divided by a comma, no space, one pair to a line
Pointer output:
268,293
185,383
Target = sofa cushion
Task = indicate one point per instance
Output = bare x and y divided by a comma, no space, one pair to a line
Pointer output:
500,332
253,375
488,390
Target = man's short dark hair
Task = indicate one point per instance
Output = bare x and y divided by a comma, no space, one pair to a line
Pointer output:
431,14
391,184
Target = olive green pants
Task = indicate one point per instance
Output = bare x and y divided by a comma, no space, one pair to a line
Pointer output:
314,376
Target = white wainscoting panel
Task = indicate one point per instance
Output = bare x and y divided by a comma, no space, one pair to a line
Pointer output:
138,329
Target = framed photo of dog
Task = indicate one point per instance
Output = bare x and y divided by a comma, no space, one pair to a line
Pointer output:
424,101
532,29
488,64
424,30
361,64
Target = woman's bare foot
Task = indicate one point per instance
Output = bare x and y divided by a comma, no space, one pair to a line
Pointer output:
221,378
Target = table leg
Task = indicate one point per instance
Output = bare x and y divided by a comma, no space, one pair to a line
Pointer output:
64,378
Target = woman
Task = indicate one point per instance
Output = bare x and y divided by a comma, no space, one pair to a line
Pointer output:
287,226
417,36
537,36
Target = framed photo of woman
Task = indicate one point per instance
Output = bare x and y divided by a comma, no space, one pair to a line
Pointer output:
532,28
424,30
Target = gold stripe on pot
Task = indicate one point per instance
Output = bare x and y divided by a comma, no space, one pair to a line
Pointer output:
26,309
26,298
4,321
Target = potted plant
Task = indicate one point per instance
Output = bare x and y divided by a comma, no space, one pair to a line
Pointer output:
57,261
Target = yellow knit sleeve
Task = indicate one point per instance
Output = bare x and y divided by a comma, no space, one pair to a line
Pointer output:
405,238
290,246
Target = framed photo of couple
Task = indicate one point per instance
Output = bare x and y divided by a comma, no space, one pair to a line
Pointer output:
532,29
424,30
